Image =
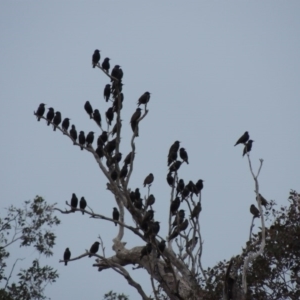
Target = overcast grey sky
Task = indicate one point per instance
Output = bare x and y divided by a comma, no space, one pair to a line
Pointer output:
215,70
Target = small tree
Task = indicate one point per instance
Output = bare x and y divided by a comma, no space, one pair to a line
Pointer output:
27,226
174,265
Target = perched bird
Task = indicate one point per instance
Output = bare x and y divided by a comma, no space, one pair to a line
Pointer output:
82,204
184,225
120,74
174,147
175,205
170,180
40,111
199,185
56,120
109,115
50,115
89,138
106,92
254,211
67,256
102,139
144,99
116,127
263,201
148,180
146,250
134,118
179,218
192,187
88,108
114,175
95,58
74,202
105,64
150,200
175,166
174,234
172,157
94,248
152,230
97,117
110,146
183,155
180,186
116,215
99,151
137,193
116,102
185,193
115,72
243,139
248,147
138,203
127,159
117,158
161,247
196,211
132,196
65,124
81,139
149,215
192,242
73,133
124,171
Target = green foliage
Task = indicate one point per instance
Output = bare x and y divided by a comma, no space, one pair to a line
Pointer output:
27,226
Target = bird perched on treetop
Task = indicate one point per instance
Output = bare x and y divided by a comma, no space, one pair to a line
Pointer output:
65,124
183,154
74,202
81,139
88,108
102,139
73,133
116,215
175,205
144,99
174,147
146,250
106,92
199,185
105,64
97,117
149,179
56,120
263,201
175,166
67,255
196,211
115,72
254,211
95,58
170,179
134,119
40,111
82,204
243,139
109,115
94,248
50,115
89,138
248,147
127,159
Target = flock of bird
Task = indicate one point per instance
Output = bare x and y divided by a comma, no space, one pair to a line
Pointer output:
106,148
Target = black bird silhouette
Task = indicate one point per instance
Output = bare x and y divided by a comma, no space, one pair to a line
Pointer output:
248,147
179,218
172,157
67,256
50,115
74,202
174,234
116,102
94,248
114,175
40,111
134,119
110,146
196,211
175,205
192,242
183,154
174,147
152,230
243,139
109,115
65,124
149,179
263,201
175,166
254,211
88,108
82,204
199,185
115,72
185,193
161,247
127,159
137,193
180,186
73,133
115,129
106,92
149,215
89,138
105,64
170,179
132,196
146,250
150,200
81,139
120,74
138,203
95,58
124,171
97,117
56,120
184,225
99,151
117,158
116,215
144,99
102,139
